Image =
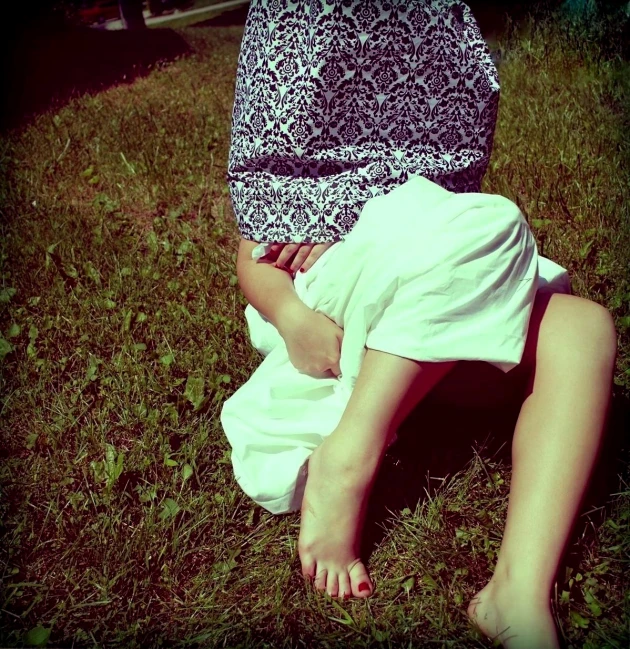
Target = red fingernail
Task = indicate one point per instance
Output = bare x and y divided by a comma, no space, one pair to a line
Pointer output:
301,270
363,586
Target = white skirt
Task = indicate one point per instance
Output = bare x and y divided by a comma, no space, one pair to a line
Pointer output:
425,274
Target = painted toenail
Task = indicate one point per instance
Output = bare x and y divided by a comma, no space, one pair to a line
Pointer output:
363,586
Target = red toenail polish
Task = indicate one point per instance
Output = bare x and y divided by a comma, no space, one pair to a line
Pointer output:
301,270
363,586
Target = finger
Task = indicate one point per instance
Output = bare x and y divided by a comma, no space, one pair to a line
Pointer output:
336,368
317,251
301,256
286,254
274,251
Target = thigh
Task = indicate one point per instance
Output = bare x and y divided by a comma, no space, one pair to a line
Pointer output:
558,321
479,384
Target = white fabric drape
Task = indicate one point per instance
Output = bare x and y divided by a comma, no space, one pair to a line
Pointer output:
425,274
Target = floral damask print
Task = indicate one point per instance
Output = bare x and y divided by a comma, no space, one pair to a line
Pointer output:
340,100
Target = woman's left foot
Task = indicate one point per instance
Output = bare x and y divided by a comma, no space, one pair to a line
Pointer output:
333,510
516,621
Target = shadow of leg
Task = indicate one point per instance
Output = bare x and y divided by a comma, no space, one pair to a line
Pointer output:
475,405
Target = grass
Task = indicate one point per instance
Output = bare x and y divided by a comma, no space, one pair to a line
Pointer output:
123,333
178,21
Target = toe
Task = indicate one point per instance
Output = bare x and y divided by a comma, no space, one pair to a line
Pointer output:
321,579
359,580
332,586
344,589
308,567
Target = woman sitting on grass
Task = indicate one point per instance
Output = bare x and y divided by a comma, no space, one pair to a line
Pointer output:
386,111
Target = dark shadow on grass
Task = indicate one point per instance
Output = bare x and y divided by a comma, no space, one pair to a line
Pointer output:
42,68
438,438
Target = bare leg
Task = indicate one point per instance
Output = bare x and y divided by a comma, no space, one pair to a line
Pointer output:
572,344
341,471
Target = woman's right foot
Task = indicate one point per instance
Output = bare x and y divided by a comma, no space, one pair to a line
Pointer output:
333,510
516,621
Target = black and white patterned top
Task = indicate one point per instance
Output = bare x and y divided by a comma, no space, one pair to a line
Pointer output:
340,100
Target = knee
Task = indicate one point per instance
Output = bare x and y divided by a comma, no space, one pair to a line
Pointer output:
594,328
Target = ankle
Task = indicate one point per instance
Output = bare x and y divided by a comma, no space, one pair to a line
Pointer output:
344,468
515,589
349,448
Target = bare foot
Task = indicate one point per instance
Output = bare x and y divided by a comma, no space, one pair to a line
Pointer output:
333,510
516,621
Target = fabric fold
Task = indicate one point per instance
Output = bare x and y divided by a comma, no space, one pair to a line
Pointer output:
425,274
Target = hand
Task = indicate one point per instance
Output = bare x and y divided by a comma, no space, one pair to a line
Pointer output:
313,341
300,255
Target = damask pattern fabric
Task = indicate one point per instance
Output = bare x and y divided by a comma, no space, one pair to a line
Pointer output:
338,101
